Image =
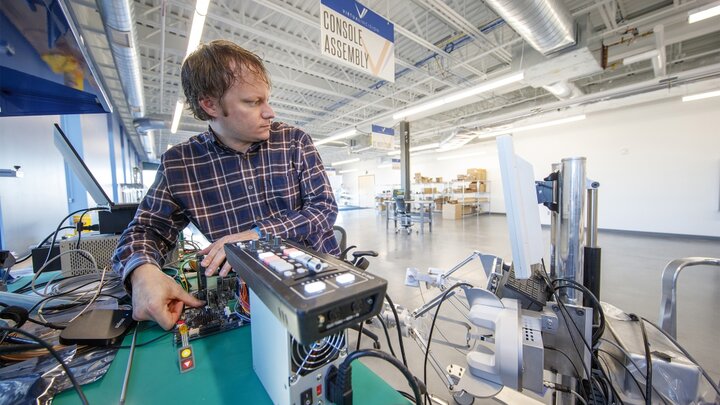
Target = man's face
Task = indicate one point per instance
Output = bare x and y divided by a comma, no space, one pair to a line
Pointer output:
243,115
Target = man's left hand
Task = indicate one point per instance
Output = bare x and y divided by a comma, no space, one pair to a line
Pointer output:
215,253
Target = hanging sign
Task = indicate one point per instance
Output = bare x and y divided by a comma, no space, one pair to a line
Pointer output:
354,35
382,138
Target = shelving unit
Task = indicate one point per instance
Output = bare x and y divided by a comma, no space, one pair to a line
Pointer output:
470,193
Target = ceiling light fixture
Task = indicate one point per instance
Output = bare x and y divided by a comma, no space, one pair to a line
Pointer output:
704,13
198,23
347,171
640,57
176,116
701,96
460,95
495,132
341,135
464,155
362,149
344,162
428,146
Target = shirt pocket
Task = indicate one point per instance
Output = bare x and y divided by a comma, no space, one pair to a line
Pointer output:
284,190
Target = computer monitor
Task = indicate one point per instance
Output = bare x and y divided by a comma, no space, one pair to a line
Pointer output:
117,218
78,166
521,205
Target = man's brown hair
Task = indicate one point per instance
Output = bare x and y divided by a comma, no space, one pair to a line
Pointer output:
213,68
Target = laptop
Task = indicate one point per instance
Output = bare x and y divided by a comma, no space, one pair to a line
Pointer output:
119,215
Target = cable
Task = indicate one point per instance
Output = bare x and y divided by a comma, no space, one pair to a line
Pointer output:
57,230
627,370
397,325
601,315
387,335
568,319
360,329
577,372
55,354
432,326
685,352
123,391
345,366
627,356
648,362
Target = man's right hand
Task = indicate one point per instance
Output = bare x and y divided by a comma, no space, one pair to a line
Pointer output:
157,297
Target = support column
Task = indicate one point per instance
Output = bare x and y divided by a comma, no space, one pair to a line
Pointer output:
405,158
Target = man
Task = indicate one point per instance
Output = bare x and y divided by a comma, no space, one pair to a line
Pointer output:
245,177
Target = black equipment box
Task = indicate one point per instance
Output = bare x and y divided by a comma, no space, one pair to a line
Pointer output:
312,294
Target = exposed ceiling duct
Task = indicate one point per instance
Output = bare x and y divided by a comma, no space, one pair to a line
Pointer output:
119,24
547,25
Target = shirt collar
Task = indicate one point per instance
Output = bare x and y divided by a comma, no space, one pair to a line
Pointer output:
221,147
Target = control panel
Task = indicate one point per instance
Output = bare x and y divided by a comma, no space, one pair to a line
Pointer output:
312,294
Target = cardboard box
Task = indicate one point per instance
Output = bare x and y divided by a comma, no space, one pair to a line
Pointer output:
452,211
476,174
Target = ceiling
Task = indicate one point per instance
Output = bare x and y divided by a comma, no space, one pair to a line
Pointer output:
440,47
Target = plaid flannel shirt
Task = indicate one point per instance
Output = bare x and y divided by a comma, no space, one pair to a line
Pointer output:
278,185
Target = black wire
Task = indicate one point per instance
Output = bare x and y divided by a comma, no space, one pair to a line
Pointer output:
432,327
568,319
360,329
686,353
648,367
55,354
153,340
577,372
627,370
387,335
399,332
601,315
345,366
14,348
57,230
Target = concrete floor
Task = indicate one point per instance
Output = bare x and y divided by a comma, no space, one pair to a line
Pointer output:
631,268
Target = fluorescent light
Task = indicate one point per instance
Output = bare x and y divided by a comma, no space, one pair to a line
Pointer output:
703,13
341,135
640,57
362,149
343,162
464,155
434,145
198,24
460,95
347,171
499,131
176,117
702,96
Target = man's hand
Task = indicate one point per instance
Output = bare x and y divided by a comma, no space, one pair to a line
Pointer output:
215,253
157,297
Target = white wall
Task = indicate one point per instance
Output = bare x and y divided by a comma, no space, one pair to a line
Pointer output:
32,205
658,164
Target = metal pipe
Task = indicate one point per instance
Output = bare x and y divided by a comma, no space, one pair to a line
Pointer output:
569,251
554,225
591,228
405,158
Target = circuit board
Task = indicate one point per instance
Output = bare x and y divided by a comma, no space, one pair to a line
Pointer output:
219,314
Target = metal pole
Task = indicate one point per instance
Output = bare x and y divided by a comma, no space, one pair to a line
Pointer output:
405,158
569,251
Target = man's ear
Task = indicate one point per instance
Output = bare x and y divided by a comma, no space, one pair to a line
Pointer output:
210,106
